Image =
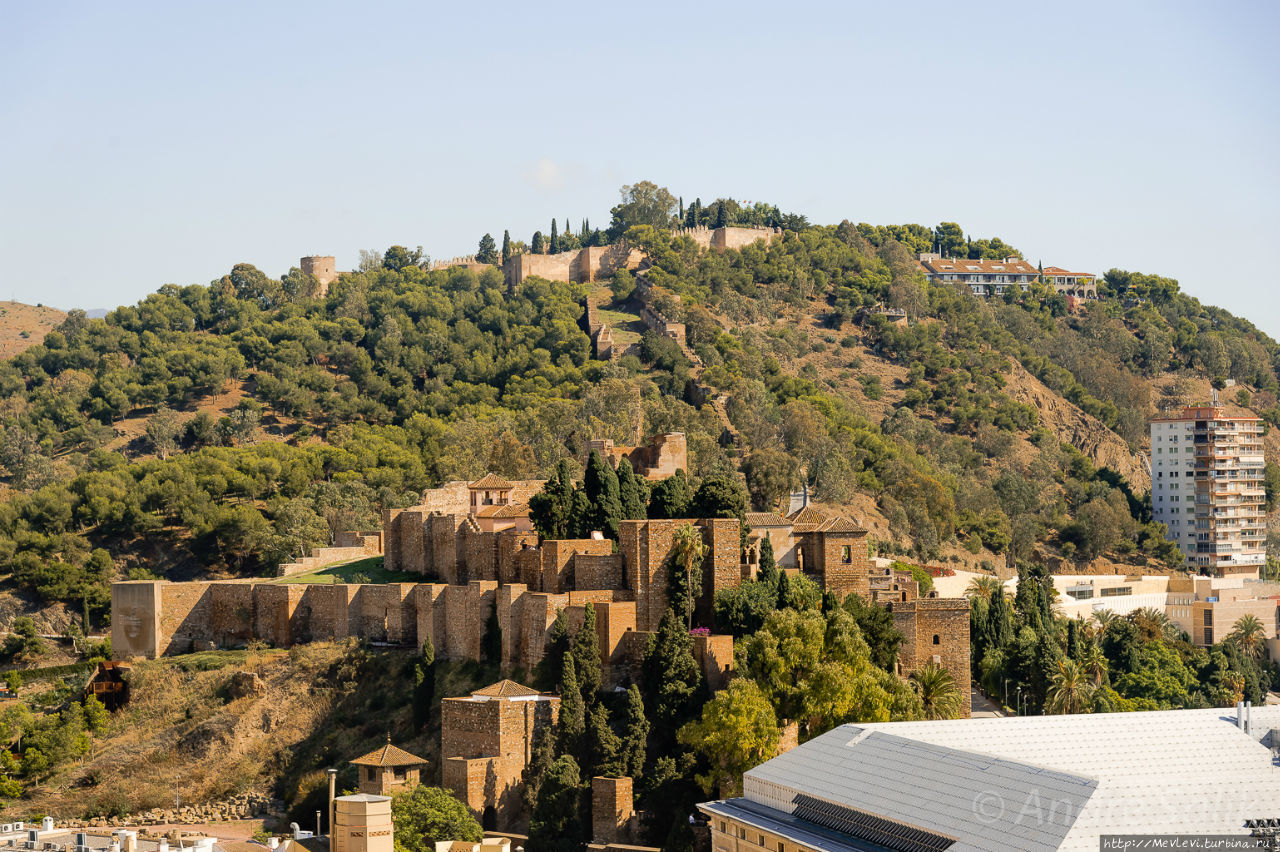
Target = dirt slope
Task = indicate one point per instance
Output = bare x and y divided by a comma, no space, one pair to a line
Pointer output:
33,321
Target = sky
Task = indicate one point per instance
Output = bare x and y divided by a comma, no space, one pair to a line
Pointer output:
152,143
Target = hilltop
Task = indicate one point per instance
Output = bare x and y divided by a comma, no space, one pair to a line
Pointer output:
23,326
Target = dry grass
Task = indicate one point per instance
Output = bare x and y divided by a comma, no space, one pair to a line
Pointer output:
17,319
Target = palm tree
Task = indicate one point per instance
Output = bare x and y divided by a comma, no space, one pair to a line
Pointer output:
1104,617
1249,636
1094,663
938,692
1151,622
1069,690
689,551
984,587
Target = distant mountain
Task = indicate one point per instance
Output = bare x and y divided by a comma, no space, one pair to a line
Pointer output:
97,313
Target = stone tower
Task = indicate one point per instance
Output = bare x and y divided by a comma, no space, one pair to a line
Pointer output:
323,268
388,770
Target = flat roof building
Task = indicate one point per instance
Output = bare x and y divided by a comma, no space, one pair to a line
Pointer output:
1023,783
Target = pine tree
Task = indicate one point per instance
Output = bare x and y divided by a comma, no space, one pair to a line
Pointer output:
486,253
600,484
555,240
506,247
633,493
586,657
635,734
537,246
573,713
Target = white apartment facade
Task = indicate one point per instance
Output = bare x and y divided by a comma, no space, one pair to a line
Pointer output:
994,277
1207,488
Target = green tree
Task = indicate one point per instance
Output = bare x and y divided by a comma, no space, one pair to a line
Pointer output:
551,509
633,493
939,696
635,734
556,824
535,771
687,553
487,250
876,624
538,245
672,679
722,215
163,429
643,203
771,475
1070,690
424,684
600,484
426,815
605,751
550,669
721,496
671,497
397,258
1249,636
573,711
737,732
553,246
506,247
586,656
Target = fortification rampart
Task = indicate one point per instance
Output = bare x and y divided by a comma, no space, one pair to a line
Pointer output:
583,265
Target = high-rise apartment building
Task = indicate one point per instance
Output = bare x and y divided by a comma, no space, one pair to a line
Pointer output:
1206,487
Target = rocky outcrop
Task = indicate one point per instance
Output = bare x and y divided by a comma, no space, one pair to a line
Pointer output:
250,805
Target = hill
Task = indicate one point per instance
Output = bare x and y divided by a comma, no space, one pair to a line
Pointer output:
23,326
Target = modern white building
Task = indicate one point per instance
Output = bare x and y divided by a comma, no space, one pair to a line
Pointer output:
994,277
1207,488
1018,783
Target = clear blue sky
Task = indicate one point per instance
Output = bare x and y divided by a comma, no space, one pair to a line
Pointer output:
146,143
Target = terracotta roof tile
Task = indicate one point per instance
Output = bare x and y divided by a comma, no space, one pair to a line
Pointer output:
389,755
506,689
766,519
841,525
810,518
492,482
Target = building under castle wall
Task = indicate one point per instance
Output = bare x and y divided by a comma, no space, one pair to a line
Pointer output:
486,741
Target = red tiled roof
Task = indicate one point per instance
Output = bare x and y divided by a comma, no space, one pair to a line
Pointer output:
506,689
492,482
766,519
841,525
389,755
510,510
1058,271
964,266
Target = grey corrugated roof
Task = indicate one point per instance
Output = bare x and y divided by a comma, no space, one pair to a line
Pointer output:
784,824
979,799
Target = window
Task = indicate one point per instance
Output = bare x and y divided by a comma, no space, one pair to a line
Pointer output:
742,833
761,843
1116,591
846,554
399,773
371,775
937,640
722,826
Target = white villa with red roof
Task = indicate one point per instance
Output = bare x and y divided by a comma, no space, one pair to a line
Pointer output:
993,277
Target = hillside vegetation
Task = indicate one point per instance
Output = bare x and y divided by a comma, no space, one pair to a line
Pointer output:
983,430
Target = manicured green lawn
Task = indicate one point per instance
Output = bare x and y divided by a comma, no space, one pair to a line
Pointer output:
370,570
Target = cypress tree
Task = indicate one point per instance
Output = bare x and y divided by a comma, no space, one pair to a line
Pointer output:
424,684
682,208
768,572
672,679
671,497
633,492
607,756
584,232
635,734
600,483
551,509
999,620
573,713
506,247
555,240
586,657
544,754
556,824
550,668
537,246
722,216
580,514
